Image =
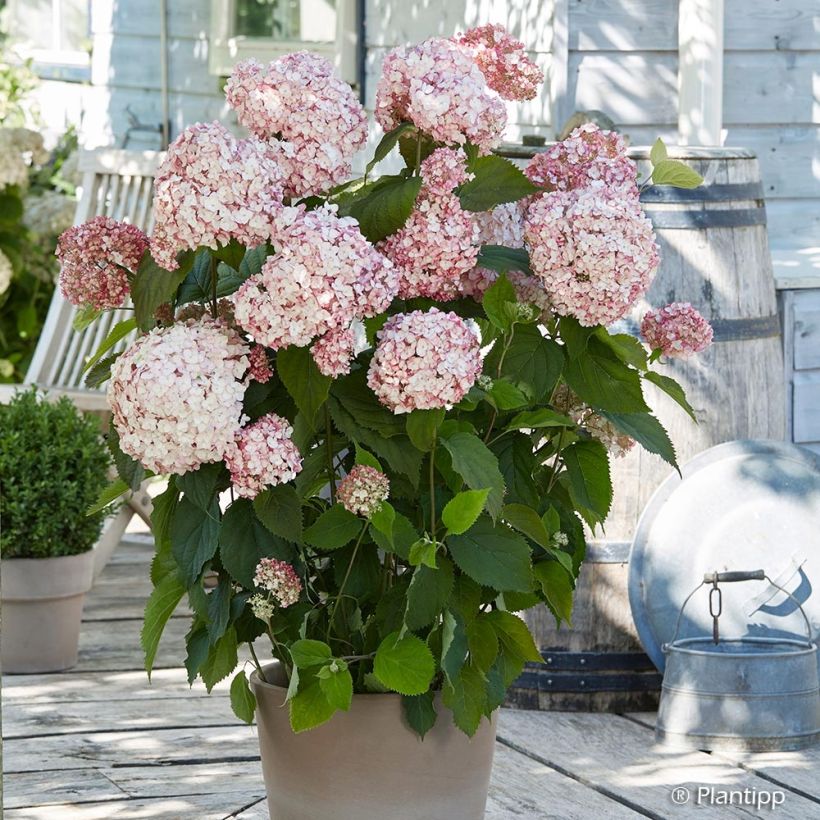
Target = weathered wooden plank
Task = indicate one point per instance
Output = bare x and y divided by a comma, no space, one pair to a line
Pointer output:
99,687
40,719
793,770
807,330
391,24
186,18
155,747
241,783
200,807
616,755
806,398
761,24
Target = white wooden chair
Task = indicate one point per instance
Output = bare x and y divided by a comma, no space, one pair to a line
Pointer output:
118,184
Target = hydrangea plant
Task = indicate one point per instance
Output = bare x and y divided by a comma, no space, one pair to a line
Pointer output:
385,405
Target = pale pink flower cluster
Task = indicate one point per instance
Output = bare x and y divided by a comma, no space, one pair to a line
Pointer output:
594,254
363,489
588,157
324,274
212,188
92,257
259,366
444,170
617,443
438,245
312,118
502,61
678,330
262,455
176,395
438,87
278,578
334,351
424,361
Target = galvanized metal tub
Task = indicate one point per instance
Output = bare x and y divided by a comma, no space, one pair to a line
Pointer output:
752,694
741,694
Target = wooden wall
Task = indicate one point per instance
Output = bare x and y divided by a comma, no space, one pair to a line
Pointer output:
619,56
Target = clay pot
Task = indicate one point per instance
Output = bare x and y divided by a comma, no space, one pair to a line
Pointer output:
367,764
42,602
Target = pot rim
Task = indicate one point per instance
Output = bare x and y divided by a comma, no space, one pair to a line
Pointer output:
31,580
684,647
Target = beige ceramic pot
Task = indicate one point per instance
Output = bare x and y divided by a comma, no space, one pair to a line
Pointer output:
42,611
366,764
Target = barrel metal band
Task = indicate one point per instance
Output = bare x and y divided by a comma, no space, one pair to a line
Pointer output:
697,220
704,193
724,330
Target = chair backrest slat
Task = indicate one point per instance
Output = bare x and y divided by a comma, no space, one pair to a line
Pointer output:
115,183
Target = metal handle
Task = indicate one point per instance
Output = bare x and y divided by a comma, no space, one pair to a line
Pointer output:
713,578
738,575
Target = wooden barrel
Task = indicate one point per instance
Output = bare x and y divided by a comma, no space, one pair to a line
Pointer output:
714,254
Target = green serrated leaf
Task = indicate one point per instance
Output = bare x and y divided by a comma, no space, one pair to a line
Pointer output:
310,708
197,648
428,593
334,528
461,511
200,485
495,181
307,653
506,396
244,540
627,348
499,303
152,286
117,333
161,604
590,486
478,466
108,496
514,635
531,362
493,555
221,661
672,389
422,426
386,208
243,701
482,642
675,173
658,152
404,665
557,587
280,510
502,259
338,689
423,552
218,605
419,712
194,538
100,372
527,521
300,375
466,696
83,318
542,417
647,431
388,142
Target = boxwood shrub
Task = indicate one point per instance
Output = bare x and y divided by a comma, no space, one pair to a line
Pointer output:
53,463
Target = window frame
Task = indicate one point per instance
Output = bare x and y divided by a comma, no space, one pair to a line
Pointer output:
72,65
226,48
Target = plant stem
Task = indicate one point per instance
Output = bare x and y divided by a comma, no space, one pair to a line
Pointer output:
507,342
417,170
256,661
433,487
344,582
279,649
331,473
554,472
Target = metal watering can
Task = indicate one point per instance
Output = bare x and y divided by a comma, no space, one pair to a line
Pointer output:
750,694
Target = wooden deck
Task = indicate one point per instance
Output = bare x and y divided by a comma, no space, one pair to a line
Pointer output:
99,742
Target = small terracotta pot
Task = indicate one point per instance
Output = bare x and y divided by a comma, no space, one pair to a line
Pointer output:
42,611
367,764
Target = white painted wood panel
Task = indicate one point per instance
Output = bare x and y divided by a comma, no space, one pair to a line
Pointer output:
807,331
186,18
806,397
391,23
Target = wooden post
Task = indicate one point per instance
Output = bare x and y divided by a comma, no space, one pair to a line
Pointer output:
700,72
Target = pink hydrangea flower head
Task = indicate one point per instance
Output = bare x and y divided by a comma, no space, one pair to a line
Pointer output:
279,579
678,330
262,455
212,188
92,258
588,157
594,255
424,361
502,61
334,351
363,489
440,89
176,395
324,275
444,170
259,369
434,249
313,119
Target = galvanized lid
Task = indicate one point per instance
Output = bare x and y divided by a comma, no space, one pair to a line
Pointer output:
743,505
